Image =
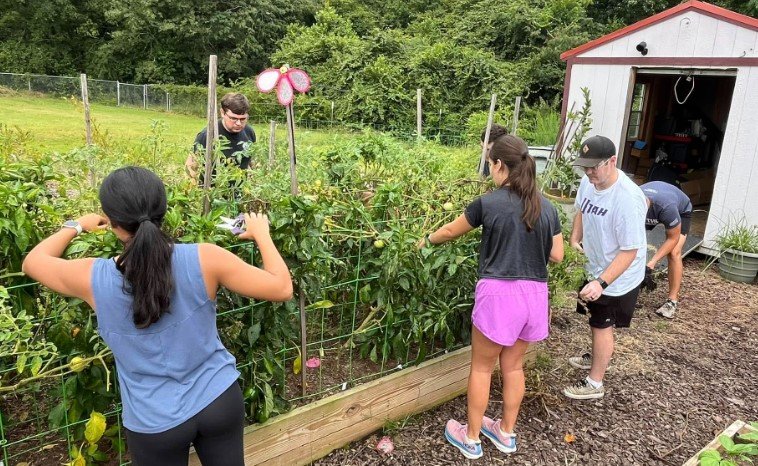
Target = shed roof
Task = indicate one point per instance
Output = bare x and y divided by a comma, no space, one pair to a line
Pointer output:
690,5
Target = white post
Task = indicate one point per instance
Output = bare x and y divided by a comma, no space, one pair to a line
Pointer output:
418,114
167,103
144,96
29,83
486,141
118,94
515,115
332,120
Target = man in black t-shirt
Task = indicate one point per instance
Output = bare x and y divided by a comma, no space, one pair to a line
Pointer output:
669,206
235,135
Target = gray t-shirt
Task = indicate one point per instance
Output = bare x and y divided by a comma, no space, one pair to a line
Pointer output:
667,204
508,250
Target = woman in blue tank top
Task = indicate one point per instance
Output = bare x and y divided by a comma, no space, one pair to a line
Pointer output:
156,310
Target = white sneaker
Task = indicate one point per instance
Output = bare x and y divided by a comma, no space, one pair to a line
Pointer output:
667,310
581,362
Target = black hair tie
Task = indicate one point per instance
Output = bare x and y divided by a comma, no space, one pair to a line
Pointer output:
143,218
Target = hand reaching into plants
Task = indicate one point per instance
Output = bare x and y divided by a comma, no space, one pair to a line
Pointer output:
92,222
256,226
577,246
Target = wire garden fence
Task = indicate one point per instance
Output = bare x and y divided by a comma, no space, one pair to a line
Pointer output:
315,114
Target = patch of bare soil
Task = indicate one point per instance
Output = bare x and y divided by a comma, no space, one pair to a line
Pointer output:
672,386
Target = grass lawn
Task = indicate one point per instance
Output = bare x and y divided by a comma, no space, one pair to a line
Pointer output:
57,124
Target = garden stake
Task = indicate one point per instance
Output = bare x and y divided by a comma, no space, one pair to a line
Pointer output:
286,81
490,117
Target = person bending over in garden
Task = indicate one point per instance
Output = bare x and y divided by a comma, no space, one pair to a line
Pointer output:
156,310
520,234
609,227
668,205
234,134
496,131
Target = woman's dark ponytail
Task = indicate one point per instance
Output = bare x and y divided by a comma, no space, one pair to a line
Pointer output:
134,199
522,175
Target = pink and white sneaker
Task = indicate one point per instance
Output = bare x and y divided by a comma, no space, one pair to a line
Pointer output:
455,433
504,442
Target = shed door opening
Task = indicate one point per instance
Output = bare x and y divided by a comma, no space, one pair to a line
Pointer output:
675,129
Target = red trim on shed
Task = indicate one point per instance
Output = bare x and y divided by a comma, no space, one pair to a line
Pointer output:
691,5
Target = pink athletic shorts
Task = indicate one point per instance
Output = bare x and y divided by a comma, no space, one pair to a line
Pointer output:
510,310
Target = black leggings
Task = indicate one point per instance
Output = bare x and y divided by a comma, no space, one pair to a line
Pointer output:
216,433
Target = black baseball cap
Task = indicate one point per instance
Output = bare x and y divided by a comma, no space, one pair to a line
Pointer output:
594,150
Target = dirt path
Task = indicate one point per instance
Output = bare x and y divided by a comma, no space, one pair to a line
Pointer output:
672,386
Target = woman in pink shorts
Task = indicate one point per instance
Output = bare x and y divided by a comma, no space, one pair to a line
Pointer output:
521,233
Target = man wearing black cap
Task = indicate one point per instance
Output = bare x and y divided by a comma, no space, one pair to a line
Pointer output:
609,228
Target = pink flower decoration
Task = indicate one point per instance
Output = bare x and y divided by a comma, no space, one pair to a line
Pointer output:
286,80
313,363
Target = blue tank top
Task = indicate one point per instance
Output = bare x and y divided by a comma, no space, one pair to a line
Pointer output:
171,370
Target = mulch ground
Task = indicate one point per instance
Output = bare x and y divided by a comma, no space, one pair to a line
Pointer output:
672,386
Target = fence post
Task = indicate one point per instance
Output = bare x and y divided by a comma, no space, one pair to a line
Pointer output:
210,135
418,114
515,115
271,143
486,141
167,103
29,83
118,94
144,96
87,124
332,120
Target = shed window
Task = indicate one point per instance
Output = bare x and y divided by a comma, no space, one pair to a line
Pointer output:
635,115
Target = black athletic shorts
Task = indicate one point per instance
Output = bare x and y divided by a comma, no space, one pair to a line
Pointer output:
610,311
686,222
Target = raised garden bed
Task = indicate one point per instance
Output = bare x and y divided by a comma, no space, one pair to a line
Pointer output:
733,433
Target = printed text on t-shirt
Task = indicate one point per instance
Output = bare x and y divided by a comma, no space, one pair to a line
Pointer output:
588,207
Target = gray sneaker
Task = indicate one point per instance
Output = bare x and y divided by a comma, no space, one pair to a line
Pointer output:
581,362
582,390
667,310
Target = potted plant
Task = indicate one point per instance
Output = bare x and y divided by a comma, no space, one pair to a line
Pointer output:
738,252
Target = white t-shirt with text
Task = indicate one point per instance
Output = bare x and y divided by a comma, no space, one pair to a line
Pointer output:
613,220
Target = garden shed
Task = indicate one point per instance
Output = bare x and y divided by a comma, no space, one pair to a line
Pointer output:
677,93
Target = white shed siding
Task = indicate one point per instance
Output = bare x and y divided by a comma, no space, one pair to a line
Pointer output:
685,35
608,85
736,189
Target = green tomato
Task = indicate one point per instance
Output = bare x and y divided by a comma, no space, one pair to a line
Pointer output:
448,206
378,244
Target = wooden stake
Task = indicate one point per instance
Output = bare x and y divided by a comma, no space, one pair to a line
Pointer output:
87,125
291,143
271,143
303,342
419,127
85,100
486,142
211,134
515,115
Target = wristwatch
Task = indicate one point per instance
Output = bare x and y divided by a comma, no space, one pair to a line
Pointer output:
603,283
73,224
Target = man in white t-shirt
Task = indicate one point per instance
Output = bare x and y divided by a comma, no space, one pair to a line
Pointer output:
609,228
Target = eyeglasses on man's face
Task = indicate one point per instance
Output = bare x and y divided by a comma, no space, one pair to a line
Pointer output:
595,167
234,118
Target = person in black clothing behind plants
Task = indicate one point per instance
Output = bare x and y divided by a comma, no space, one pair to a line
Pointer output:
234,133
495,132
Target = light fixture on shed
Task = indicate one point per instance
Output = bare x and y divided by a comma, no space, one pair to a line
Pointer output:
642,48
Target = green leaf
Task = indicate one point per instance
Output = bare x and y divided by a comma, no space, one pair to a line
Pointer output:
21,363
404,284
36,365
726,442
94,428
57,416
297,366
253,333
710,458
325,304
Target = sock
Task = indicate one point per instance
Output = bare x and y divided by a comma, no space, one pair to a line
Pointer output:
468,440
594,384
506,434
